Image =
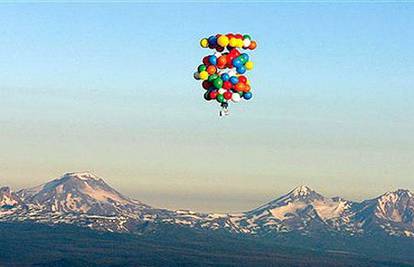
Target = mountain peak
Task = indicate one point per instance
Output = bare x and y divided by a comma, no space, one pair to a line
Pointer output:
81,175
301,191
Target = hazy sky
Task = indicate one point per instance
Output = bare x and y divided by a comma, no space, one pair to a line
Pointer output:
109,88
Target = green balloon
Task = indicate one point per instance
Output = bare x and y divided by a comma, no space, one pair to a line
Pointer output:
220,98
202,67
218,83
246,36
242,59
212,77
240,93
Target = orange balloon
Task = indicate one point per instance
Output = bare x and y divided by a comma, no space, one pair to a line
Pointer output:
211,69
239,87
246,88
222,60
252,45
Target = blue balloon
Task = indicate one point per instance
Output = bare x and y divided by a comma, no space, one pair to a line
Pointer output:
237,62
234,79
225,77
241,69
212,40
213,60
247,95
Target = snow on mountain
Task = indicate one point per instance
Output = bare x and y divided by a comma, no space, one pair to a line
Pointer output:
302,209
84,199
8,198
392,212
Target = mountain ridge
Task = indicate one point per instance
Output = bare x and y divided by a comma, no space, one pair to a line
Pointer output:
84,199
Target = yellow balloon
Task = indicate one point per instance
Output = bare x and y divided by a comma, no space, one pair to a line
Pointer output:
239,43
204,42
249,65
223,41
233,42
203,75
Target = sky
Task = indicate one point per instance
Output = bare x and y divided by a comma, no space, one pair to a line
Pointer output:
109,88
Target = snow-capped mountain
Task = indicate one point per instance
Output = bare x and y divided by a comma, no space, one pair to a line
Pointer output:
86,200
83,199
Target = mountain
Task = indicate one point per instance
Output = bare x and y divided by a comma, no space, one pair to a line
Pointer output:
84,199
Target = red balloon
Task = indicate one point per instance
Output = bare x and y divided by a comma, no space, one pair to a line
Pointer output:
213,94
206,84
235,52
227,85
206,60
242,79
227,95
239,36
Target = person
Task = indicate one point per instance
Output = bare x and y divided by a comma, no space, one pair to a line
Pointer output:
224,109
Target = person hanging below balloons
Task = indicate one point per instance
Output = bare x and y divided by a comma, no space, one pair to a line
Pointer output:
222,73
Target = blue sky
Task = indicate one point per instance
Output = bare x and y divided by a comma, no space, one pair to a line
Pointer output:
109,88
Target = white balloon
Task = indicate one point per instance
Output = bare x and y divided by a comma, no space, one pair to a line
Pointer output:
235,97
196,75
217,54
221,91
246,43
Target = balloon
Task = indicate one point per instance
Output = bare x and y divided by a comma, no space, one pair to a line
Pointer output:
237,62
218,83
207,96
222,72
239,86
241,69
247,95
197,75
222,60
212,40
204,43
201,68
213,94
249,65
234,79
235,98
206,60
220,98
221,91
246,36
227,95
233,42
242,79
212,77
252,45
223,41
213,60
246,43
206,84
227,85
225,77
244,57
203,75
211,69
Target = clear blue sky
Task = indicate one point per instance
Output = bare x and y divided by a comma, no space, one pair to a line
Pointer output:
109,88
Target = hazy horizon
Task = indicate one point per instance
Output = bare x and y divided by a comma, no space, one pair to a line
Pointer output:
109,89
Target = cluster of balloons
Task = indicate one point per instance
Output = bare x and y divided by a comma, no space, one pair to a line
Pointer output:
223,72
